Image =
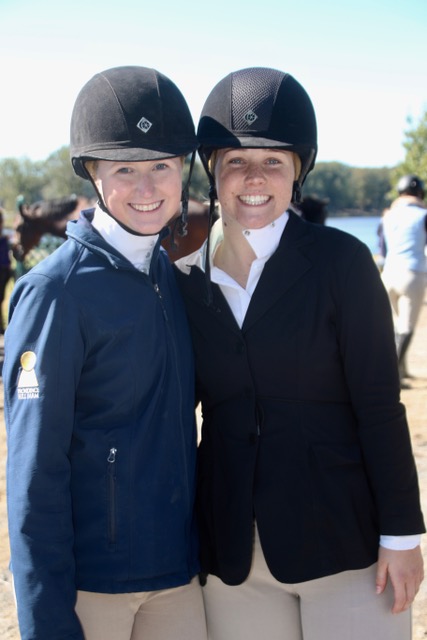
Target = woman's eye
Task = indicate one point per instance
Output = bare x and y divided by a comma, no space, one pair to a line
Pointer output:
124,170
160,166
273,161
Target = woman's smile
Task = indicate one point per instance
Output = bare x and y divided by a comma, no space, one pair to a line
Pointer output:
254,200
254,185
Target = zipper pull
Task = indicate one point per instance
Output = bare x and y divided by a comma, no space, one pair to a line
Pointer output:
159,293
259,418
112,455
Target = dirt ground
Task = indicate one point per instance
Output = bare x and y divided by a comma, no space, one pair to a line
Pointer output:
415,400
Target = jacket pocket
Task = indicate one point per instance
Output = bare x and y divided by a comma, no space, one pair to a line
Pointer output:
337,455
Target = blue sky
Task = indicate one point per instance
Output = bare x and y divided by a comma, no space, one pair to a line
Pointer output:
363,63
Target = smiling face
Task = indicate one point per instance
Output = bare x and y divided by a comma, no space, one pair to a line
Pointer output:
142,196
254,186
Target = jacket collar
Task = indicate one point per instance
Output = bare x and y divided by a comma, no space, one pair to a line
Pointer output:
82,231
284,268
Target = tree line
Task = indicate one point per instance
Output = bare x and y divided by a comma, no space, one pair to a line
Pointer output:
349,190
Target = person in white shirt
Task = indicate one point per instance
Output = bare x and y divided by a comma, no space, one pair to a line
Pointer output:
404,230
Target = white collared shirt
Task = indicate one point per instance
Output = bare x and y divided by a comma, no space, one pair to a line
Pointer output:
264,243
137,249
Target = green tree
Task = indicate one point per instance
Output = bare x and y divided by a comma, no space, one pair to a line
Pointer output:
416,153
350,190
199,187
331,180
20,177
60,179
370,187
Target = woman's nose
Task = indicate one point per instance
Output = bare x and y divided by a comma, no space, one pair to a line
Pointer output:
145,185
254,173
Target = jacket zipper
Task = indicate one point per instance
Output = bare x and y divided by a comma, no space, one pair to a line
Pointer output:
178,378
159,294
112,495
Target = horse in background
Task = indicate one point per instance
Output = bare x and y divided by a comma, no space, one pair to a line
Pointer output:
34,221
46,221
40,228
195,231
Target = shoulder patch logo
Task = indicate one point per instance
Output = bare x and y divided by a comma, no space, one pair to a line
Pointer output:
28,386
144,124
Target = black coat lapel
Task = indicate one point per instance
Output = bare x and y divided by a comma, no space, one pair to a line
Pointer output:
285,267
194,288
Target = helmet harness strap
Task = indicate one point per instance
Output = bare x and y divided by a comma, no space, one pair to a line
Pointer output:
183,218
179,225
296,192
212,203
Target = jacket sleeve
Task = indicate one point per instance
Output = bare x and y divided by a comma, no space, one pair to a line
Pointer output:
366,337
44,354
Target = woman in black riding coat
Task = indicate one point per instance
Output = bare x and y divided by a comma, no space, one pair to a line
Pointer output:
308,497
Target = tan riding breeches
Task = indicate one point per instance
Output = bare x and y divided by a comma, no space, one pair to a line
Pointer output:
168,614
339,607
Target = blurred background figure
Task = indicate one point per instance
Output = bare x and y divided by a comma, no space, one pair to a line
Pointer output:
5,267
404,231
313,209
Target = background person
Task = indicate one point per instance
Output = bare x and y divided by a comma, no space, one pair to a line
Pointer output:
5,267
308,496
99,383
404,231
312,208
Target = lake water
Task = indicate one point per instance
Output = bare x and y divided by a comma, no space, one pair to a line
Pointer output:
364,228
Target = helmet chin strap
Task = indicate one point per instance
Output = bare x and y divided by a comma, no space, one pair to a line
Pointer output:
179,225
181,222
212,203
296,193
183,218
103,206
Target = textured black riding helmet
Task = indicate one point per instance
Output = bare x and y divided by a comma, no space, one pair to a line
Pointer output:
411,185
259,107
130,114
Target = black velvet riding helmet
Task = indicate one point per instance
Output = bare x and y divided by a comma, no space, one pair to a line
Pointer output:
129,114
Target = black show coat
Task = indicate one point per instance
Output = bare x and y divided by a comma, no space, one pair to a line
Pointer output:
303,429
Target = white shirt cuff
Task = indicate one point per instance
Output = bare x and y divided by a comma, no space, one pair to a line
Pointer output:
400,543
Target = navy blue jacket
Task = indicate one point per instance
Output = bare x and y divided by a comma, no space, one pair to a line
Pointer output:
302,424
99,405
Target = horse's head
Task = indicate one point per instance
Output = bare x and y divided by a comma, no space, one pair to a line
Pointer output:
24,236
44,216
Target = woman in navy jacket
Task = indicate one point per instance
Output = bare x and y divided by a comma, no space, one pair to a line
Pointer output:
99,390
308,498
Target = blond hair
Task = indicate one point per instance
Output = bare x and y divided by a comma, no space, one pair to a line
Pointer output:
91,167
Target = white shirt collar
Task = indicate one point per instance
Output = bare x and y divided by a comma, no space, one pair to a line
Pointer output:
137,249
264,241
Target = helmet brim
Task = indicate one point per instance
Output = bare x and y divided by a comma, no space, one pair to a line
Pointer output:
127,154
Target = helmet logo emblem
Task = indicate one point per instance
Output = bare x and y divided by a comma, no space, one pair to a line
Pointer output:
144,124
250,117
